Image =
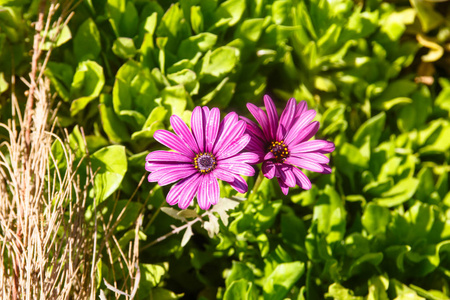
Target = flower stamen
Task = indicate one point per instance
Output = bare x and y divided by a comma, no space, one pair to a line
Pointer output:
279,150
205,162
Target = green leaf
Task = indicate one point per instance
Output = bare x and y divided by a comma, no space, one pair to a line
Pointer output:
192,46
218,63
337,291
399,193
129,21
196,19
239,289
281,280
56,37
124,48
360,264
372,128
110,165
176,99
330,215
60,75
86,43
375,219
428,16
239,270
3,83
114,128
87,84
229,12
396,93
250,30
115,10
185,77
151,275
221,95
163,294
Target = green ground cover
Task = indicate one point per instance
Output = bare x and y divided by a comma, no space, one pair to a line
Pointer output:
377,73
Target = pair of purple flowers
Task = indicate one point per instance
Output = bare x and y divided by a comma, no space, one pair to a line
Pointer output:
225,150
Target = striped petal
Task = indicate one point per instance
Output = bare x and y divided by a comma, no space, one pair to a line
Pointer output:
305,164
237,168
234,148
197,126
272,116
261,118
172,141
161,155
302,180
268,169
182,130
304,120
225,129
179,189
212,128
208,192
314,145
286,119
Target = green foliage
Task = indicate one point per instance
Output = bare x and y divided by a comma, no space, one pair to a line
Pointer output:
376,228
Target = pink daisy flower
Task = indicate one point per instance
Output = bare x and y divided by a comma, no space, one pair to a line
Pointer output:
282,143
209,151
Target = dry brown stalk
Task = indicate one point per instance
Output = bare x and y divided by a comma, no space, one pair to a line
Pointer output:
47,248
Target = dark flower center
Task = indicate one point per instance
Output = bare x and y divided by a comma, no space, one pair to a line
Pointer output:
205,162
279,150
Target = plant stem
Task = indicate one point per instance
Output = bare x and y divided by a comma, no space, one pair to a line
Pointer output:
256,186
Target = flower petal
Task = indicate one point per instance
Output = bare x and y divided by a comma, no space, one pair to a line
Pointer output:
237,168
182,130
261,118
287,116
284,172
269,155
223,175
179,189
198,127
283,186
272,115
175,175
244,157
314,145
305,164
304,120
313,156
302,106
236,131
254,129
302,180
212,128
234,148
239,184
208,192
268,169
326,169
162,155
172,141
306,133
182,170
225,129
153,166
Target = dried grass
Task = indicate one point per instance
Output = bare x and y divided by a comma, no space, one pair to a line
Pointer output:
47,248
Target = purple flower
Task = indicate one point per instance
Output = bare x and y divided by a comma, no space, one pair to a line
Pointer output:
282,144
211,150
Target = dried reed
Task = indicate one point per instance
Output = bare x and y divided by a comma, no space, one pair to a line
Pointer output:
47,248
